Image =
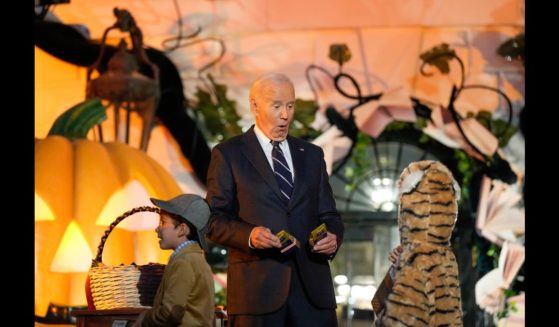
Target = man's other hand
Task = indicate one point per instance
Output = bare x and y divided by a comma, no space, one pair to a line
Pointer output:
327,245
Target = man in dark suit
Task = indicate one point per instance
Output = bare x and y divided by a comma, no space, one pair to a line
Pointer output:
253,194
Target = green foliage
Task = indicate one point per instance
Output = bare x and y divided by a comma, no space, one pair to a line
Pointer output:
496,126
220,115
424,138
483,116
360,159
467,166
439,56
395,126
509,307
302,118
349,173
221,297
76,122
475,256
420,123
494,251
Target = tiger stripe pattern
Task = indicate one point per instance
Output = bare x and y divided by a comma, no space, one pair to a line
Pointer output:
426,289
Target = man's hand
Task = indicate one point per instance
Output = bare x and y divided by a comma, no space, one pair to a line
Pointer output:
327,245
262,238
395,254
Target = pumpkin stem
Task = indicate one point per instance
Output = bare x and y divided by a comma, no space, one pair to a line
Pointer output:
75,122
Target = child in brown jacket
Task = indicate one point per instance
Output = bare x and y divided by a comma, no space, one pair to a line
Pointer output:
185,296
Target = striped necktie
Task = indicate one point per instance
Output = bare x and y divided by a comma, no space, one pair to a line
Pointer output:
282,172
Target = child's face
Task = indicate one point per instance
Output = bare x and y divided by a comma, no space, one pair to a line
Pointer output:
170,236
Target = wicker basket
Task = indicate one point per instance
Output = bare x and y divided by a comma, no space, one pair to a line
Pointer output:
124,286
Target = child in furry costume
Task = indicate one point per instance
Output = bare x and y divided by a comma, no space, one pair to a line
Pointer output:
426,288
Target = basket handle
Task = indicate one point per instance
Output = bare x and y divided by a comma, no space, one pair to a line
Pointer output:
98,259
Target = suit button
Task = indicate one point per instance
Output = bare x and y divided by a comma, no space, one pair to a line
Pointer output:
288,214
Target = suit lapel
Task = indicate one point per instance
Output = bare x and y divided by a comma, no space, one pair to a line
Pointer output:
298,157
254,153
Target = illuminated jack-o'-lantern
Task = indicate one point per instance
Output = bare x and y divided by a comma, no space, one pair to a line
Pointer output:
81,186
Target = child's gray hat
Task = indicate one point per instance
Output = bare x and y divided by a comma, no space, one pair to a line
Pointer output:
192,208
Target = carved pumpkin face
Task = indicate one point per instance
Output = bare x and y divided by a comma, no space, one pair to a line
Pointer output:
74,180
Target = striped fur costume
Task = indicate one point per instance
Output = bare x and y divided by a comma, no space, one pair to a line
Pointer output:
426,288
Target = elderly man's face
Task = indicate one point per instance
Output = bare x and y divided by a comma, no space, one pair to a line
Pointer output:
273,107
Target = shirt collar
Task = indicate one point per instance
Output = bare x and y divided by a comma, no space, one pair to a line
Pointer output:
264,140
180,247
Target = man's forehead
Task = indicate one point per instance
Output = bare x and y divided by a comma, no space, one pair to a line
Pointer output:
277,91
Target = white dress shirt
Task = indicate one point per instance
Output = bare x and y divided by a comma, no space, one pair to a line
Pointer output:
267,147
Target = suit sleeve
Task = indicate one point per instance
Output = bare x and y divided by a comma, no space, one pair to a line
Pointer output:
225,227
327,206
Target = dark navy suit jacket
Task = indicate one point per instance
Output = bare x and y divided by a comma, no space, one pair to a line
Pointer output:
242,194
